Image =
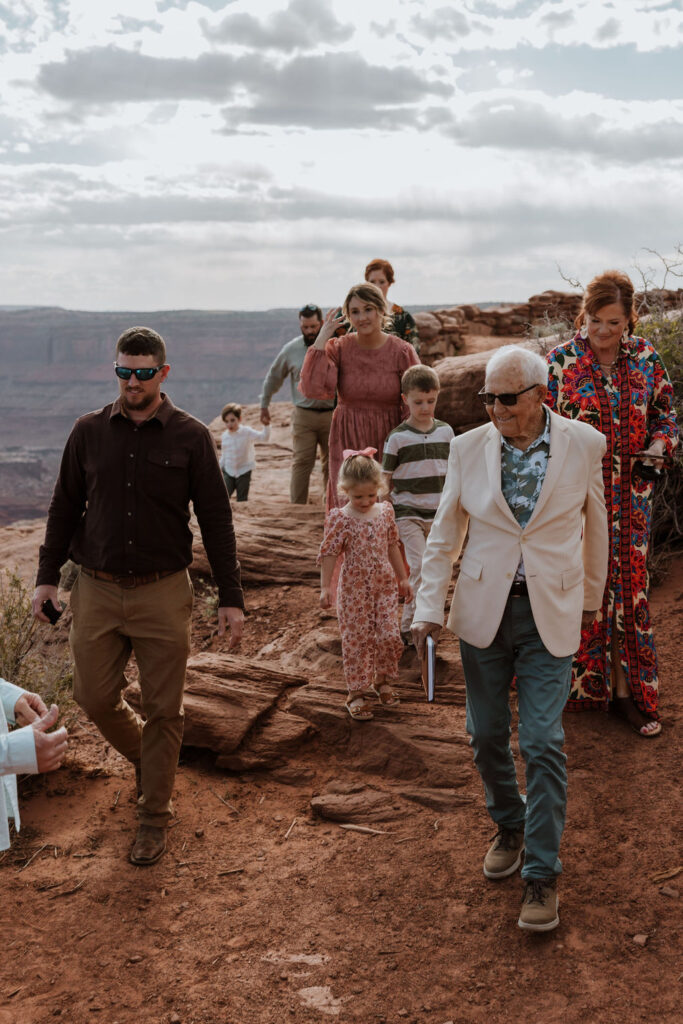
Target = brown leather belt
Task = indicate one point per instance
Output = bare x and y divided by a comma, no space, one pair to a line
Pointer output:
519,589
129,581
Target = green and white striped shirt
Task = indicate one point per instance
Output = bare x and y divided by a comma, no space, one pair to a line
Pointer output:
418,462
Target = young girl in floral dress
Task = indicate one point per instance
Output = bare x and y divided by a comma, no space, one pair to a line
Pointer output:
364,532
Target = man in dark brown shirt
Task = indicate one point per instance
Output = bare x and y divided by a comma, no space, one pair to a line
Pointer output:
121,510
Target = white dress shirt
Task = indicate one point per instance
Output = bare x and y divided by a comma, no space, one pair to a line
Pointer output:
237,449
17,756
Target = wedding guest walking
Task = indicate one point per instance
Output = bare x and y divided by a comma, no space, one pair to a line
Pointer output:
524,496
121,510
311,417
365,369
381,273
238,456
363,534
614,380
415,461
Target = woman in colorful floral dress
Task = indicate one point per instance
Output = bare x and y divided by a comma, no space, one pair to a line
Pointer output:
614,380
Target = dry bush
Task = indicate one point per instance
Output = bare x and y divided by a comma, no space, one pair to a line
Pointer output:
29,656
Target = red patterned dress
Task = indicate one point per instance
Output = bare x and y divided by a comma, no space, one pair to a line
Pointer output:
367,599
632,408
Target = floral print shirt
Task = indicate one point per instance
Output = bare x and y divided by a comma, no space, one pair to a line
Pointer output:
522,474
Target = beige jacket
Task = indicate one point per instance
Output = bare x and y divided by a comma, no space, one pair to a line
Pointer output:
564,544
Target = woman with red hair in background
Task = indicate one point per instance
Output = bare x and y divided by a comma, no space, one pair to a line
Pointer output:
381,273
615,380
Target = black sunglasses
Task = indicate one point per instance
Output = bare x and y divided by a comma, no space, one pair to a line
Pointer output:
142,372
311,310
509,398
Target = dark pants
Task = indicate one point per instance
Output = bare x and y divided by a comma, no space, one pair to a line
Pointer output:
238,483
542,690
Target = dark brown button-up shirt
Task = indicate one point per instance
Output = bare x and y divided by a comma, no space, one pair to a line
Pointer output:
122,497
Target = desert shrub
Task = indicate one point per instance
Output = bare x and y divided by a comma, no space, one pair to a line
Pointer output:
29,657
665,331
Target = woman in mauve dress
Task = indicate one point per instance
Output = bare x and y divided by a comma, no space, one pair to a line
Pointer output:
364,368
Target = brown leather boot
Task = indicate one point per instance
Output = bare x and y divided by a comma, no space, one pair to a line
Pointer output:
149,845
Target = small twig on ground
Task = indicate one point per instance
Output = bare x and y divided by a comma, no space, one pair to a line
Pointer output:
224,801
116,799
364,829
230,871
39,850
663,876
67,892
407,839
287,833
80,855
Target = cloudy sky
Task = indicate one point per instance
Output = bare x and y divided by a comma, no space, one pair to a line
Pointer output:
247,154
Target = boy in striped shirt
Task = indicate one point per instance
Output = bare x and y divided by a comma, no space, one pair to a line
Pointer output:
414,465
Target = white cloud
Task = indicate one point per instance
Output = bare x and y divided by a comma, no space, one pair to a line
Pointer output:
157,153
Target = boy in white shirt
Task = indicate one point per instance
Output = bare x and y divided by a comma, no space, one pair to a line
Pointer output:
238,457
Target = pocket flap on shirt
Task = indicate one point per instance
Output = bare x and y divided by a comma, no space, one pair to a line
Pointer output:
471,567
174,460
572,577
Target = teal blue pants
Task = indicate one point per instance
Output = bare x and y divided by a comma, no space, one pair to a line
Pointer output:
542,690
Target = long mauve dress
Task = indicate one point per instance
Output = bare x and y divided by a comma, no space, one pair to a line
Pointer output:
368,387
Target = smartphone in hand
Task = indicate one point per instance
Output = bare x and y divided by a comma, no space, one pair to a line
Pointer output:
52,613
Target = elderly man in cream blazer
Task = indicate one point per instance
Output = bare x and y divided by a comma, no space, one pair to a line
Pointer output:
526,491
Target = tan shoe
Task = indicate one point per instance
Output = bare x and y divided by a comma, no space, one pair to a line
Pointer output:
505,853
539,905
150,843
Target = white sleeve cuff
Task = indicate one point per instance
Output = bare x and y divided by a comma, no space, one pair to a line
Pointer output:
9,695
21,752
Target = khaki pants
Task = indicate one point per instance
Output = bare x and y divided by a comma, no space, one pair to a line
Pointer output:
309,429
153,622
413,534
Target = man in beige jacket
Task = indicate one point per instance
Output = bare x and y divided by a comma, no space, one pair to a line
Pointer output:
526,491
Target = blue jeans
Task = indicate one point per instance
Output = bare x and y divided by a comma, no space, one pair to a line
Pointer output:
542,689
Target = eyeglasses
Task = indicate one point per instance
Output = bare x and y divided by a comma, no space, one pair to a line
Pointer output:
311,310
509,398
142,372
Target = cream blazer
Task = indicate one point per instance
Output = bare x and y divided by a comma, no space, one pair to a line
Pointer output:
564,544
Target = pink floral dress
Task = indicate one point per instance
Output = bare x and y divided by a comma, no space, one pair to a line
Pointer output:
367,598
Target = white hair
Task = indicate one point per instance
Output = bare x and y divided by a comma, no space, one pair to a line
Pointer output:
533,367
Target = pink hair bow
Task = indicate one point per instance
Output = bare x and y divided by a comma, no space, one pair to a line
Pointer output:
348,452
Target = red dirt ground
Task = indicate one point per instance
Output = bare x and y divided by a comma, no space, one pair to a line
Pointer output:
243,923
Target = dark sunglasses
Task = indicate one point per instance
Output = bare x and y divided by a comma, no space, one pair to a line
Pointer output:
509,398
142,372
311,311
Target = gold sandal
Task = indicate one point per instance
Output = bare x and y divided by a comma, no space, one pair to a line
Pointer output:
387,699
358,706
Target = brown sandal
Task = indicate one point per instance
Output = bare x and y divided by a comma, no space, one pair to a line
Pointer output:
358,706
624,708
386,694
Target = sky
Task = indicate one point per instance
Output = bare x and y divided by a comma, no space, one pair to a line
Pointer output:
252,154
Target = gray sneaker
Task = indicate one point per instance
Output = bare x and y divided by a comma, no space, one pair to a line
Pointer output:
505,854
539,905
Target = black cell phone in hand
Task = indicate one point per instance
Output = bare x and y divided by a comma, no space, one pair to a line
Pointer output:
48,609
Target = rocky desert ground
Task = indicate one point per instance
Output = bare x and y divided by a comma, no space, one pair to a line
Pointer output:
321,869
